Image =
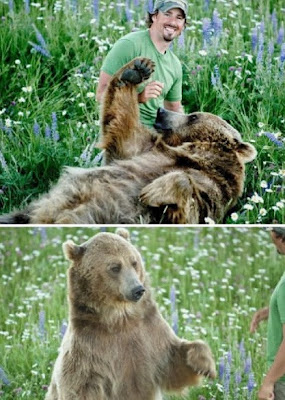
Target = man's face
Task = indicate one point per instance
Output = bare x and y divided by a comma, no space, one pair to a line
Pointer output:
168,24
279,243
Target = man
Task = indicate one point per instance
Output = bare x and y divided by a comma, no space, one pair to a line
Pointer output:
273,386
165,89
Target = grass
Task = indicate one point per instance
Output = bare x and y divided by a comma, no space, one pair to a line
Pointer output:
207,281
233,57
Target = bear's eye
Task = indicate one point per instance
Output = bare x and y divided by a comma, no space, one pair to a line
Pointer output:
116,268
134,264
192,117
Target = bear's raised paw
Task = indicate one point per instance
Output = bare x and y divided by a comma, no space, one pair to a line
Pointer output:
200,359
137,71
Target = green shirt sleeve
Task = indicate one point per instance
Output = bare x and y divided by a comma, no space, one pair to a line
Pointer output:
281,302
121,53
175,92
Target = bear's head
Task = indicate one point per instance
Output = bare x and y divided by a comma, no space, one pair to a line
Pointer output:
201,127
106,272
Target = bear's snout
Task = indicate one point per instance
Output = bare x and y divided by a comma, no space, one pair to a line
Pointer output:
137,293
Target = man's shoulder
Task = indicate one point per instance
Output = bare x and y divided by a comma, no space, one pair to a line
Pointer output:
135,36
174,58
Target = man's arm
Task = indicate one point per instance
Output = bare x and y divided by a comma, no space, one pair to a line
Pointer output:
104,79
173,106
275,372
259,316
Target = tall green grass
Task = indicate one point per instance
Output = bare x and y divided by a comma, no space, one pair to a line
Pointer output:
207,281
224,73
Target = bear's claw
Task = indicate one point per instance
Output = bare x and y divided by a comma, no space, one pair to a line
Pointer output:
138,71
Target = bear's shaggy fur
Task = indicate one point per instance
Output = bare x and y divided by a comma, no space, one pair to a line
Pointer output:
193,170
117,345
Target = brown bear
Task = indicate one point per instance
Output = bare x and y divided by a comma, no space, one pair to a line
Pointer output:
193,170
117,345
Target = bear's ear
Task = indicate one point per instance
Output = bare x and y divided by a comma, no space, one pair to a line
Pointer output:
247,151
72,251
124,233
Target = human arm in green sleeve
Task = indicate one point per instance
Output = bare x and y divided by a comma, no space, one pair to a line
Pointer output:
275,372
122,52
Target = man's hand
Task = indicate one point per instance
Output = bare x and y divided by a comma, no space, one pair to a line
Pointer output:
259,316
266,391
151,91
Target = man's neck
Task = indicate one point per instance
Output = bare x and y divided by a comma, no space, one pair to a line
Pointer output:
161,45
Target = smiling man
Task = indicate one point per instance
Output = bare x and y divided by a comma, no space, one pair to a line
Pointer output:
165,23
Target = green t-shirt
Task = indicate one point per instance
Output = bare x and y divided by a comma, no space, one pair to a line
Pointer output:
276,321
167,70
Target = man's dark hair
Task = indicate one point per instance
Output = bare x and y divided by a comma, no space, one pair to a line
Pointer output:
149,16
148,19
279,233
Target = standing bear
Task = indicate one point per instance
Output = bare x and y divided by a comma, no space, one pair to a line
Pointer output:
117,345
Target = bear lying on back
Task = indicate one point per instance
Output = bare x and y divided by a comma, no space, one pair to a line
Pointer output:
193,171
117,345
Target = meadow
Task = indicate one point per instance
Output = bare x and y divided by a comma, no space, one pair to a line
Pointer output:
233,55
207,281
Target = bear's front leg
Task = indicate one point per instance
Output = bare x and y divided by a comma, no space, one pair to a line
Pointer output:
121,130
189,362
199,358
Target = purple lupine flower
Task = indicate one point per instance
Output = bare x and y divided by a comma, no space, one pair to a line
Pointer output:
227,379
74,6
85,155
98,158
47,132
40,49
237,377
54,131
3,162
174,314
206,5
11,6
270,48
43,233
259,56
96,9
27,6
40,37
181,41
128,11
36,129
242,350
150,6
221,368
262,27
172,298
215,77
247,365
274,20
254,39
217,23
229,357
42,318
250,384
196,240
136,3
280,36
207,31
3,377
273,139
282,53
63,329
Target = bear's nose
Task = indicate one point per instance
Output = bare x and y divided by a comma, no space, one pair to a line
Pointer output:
137,292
